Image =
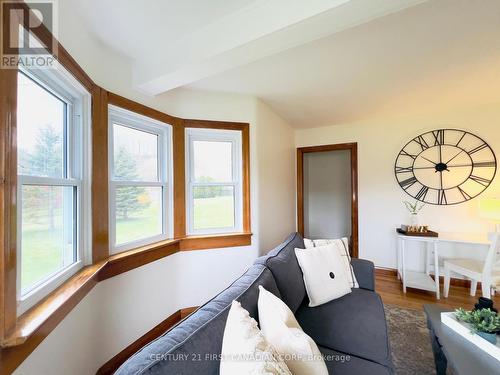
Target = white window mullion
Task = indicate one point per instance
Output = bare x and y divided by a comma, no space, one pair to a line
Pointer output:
137,183
231,183
47,181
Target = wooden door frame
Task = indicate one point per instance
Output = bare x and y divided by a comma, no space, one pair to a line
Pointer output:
353,149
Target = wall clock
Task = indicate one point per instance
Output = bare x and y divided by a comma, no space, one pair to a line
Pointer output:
445,167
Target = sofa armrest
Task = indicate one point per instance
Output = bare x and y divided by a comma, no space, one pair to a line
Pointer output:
364,272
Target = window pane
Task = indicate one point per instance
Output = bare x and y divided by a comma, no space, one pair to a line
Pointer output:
212,161
138,213
135,154
41,119
48,239
213,207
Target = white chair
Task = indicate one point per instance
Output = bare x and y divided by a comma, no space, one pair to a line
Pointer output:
487,271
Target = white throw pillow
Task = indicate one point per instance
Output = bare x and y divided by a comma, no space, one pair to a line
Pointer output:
245,351
342,246
324,274
283,332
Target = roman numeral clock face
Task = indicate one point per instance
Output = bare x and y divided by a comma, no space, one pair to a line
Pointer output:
445,167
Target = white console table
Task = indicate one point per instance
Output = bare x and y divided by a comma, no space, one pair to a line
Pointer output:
423,280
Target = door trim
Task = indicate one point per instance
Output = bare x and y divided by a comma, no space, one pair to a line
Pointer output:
353,148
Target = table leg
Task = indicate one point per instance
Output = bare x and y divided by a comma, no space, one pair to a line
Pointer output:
428,258
403,266
436,268
398,257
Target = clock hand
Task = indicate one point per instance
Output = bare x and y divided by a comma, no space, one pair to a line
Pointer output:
430,161
454,156
460,165
441,162
424,168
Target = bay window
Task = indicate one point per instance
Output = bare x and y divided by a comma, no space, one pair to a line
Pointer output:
140,192
87,173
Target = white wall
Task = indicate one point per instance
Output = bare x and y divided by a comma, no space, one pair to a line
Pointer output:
73,346
276,166
380,197
133,302
121,309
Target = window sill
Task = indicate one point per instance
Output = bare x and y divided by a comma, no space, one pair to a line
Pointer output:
215,241
55,307
34,325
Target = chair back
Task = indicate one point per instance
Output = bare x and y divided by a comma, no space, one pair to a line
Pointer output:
493,256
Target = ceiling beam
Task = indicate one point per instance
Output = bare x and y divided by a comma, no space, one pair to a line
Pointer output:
263,28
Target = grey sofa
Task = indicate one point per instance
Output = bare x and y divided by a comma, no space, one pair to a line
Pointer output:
351,331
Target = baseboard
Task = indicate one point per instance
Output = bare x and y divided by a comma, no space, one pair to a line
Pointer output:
391,272
112,365
386,272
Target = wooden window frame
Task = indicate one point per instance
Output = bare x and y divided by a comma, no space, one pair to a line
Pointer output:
19,336
215,135
67,89
163,131
244,128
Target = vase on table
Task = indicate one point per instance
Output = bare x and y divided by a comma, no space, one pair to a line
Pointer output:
414,219
490,337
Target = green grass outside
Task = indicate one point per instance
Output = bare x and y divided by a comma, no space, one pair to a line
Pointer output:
215,212
146,223
42,250
42,255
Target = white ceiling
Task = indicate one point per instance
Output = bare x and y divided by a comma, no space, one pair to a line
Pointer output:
177,42
438,55
317,63
139,29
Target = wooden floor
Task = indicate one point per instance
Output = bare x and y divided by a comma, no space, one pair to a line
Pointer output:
391,291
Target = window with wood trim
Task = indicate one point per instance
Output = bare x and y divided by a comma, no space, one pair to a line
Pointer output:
140,180
213,181
53,187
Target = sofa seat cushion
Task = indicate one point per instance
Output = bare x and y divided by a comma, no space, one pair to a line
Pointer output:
286,271
353,324
193,345
340,363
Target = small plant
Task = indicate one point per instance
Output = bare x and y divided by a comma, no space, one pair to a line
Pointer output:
484,320
414,208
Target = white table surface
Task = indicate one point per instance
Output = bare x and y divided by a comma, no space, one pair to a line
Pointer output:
467,238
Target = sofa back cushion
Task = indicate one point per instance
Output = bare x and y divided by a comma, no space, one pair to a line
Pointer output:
286,271
193,346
